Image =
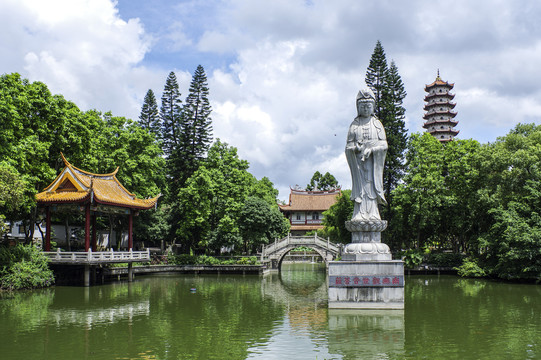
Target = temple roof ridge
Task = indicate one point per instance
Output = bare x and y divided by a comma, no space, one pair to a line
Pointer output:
66,162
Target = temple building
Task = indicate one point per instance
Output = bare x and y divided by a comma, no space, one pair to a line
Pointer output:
439,114
305,209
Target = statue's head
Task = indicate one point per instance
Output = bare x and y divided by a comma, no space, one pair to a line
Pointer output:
366,95
366,102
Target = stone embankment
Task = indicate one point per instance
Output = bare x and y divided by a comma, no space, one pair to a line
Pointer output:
430,270
188,269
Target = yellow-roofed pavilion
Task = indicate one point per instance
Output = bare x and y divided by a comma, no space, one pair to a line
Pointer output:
93,194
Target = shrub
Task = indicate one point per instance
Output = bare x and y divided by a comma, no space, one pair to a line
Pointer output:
207,260
182,259
186,259
252,260
412,258
302,249
24,267
470,268
444,259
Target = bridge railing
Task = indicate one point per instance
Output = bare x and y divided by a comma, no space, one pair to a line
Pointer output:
97,256
300,240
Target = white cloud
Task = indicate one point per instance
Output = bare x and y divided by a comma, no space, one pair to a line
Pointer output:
178,39
81,49
280,113
283,75
304,74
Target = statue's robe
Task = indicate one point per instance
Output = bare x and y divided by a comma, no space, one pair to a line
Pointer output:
366,174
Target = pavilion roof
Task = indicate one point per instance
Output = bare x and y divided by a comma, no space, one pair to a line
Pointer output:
301,200
74,185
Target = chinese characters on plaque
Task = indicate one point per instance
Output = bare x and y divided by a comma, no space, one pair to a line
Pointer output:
365,281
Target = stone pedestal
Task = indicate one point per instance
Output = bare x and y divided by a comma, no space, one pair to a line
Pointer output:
366,277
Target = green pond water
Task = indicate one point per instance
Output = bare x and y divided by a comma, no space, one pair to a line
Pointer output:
280,316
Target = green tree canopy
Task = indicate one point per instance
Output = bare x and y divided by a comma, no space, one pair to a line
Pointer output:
12,194
420,200
322,182
509,204
36,126
214,198
260,223
482,200
335,219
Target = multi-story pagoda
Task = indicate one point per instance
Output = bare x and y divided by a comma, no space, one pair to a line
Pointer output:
439,114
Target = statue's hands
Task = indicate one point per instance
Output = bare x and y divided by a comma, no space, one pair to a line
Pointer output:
367,152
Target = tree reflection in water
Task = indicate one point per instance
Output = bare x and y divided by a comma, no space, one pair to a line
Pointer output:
277,316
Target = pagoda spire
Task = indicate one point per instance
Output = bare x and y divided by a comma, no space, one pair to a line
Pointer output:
439,114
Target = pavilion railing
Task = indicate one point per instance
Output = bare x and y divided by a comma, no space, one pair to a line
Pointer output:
97,256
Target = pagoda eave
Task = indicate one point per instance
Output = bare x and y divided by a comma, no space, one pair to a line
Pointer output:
447,95
439,104
439,84
451,114
452,123
444,132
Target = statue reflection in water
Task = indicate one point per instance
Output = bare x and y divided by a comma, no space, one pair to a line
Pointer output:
366,334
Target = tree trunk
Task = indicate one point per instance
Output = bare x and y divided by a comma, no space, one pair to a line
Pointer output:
42,235
68,232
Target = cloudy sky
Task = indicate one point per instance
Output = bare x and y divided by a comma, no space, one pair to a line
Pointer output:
283,74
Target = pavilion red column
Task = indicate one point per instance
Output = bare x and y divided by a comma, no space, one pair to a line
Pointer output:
130,230
87,227
94,242
48,230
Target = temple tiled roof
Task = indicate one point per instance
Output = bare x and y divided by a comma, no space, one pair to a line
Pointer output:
300,200
74,185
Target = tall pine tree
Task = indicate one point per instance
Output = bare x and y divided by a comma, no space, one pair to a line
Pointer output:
392,117
194,138
388,88
376,76
171,114
197,124
149,117
195,135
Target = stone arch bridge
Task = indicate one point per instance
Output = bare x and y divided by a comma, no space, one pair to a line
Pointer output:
273,254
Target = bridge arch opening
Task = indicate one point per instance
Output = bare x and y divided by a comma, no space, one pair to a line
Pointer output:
321,255
273,254
303,279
